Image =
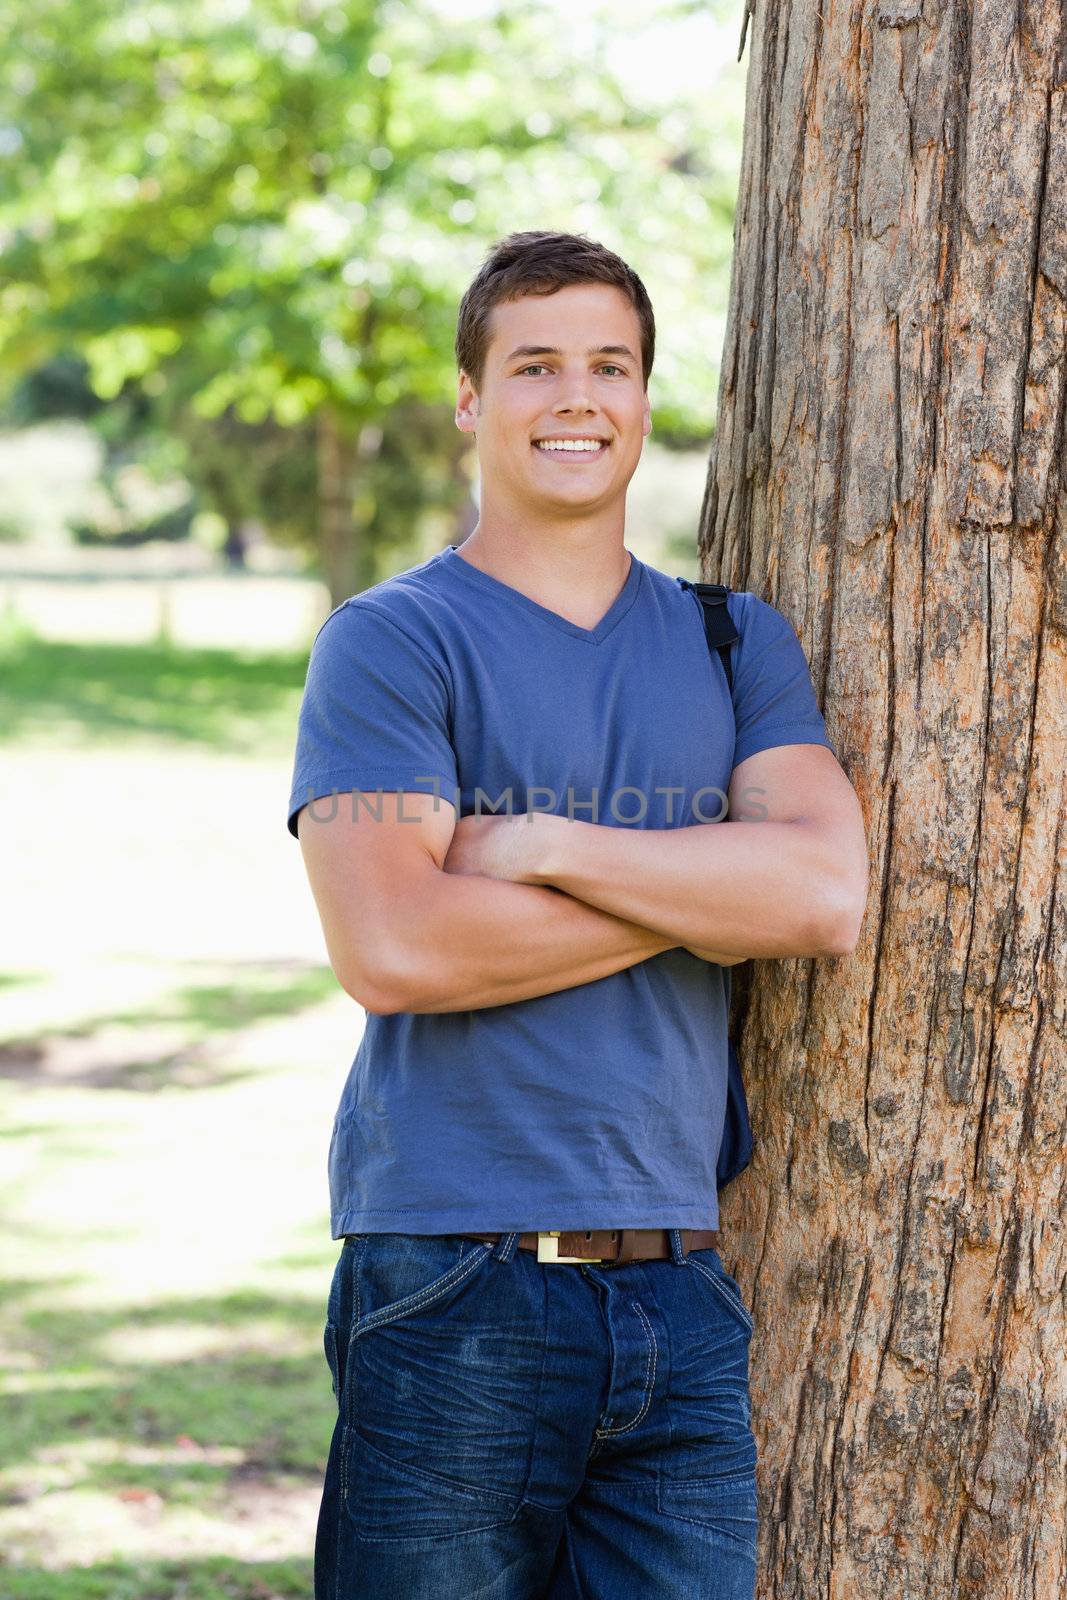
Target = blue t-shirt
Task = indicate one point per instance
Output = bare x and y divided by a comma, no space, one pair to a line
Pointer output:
598,1106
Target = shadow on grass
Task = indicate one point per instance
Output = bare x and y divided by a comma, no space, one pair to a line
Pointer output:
223,1429
239,702
211,1578
276,1411
196,1015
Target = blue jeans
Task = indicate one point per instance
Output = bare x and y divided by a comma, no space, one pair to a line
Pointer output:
513,1429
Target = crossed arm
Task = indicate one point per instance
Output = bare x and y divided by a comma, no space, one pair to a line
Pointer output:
423,912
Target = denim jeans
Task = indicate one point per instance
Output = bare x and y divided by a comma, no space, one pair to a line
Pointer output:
509,1429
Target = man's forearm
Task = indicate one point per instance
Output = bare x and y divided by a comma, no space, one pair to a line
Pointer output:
467,942
744,888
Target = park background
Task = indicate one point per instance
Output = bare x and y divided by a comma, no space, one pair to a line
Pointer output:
233,239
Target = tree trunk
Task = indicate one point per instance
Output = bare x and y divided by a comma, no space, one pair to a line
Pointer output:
336,528
888,470
346,561
338,534
234,550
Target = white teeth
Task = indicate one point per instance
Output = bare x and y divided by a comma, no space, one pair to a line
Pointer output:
589,445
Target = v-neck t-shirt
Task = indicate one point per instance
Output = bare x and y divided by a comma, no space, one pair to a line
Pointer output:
596,1106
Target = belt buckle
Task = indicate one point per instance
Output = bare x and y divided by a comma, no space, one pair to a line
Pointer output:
548,1248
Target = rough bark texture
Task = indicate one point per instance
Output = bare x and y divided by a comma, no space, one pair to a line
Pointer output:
889,471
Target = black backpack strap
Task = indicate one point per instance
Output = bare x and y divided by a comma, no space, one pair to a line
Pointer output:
735,1145
718,627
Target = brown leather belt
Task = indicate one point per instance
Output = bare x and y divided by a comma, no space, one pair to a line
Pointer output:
611,1245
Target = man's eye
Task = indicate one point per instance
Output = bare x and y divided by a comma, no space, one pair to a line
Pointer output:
539,367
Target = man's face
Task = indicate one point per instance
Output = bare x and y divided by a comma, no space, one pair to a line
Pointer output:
561,366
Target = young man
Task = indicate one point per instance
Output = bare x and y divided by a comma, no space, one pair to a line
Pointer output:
508,762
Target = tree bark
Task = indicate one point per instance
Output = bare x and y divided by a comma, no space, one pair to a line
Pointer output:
888,469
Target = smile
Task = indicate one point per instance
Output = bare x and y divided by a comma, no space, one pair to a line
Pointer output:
572,451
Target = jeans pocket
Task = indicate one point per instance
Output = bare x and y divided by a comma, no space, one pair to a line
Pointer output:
708,1264
398,1275
727,1506
442,1389
390,1501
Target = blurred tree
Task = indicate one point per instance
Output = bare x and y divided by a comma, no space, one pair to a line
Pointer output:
272,211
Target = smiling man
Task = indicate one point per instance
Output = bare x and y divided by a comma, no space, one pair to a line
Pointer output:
510,764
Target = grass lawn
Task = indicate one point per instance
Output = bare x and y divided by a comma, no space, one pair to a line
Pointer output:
172,1048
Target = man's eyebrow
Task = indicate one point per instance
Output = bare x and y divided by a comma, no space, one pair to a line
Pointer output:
551,350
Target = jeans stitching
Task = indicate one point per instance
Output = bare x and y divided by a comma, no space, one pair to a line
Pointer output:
726,1294
477,1493
477,1496
724,1288
736,1298
357,1252
649,1385
411,1302
747,1544
360,1252
745,1474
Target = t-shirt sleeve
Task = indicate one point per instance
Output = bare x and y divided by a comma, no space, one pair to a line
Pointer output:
774,697
375,713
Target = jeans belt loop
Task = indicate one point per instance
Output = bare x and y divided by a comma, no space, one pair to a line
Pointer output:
626,1246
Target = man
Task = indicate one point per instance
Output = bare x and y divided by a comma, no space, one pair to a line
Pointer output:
509,762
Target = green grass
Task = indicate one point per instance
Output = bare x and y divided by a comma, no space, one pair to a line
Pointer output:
160,694
164,1120
192,1018
177,1580
236,1399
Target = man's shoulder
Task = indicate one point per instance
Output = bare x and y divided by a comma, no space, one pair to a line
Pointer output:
739,602
747,609
767,639
408,602
758,620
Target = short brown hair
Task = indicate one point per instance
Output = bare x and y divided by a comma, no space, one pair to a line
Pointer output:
539,263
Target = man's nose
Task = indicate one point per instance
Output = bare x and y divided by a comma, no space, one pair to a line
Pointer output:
575,396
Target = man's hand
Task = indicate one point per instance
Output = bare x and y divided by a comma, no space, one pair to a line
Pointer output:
507,847
791,883
494,846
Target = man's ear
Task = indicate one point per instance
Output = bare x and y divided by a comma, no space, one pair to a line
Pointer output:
467,405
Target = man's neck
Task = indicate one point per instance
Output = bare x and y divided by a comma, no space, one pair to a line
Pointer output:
580,581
